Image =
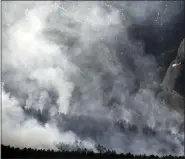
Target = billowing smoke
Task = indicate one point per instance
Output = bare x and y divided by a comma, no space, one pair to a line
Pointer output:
71,72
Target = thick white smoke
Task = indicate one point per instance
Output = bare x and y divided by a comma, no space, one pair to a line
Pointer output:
62,57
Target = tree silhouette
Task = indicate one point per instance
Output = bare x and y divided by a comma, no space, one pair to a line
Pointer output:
11,152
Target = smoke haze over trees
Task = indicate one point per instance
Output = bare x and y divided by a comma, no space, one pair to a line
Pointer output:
94,72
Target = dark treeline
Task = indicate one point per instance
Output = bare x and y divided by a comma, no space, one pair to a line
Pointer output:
11,152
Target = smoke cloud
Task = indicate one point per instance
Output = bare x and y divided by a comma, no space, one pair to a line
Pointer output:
75,64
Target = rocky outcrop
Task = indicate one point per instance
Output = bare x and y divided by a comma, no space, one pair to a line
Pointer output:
173,85
181,53
174,78
180,81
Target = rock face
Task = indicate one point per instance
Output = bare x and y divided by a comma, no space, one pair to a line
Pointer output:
180,82
181,53
173,85
174,75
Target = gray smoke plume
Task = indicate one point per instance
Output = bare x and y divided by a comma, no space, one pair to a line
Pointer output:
74,65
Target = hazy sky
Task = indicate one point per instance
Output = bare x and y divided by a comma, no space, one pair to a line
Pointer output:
77,58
